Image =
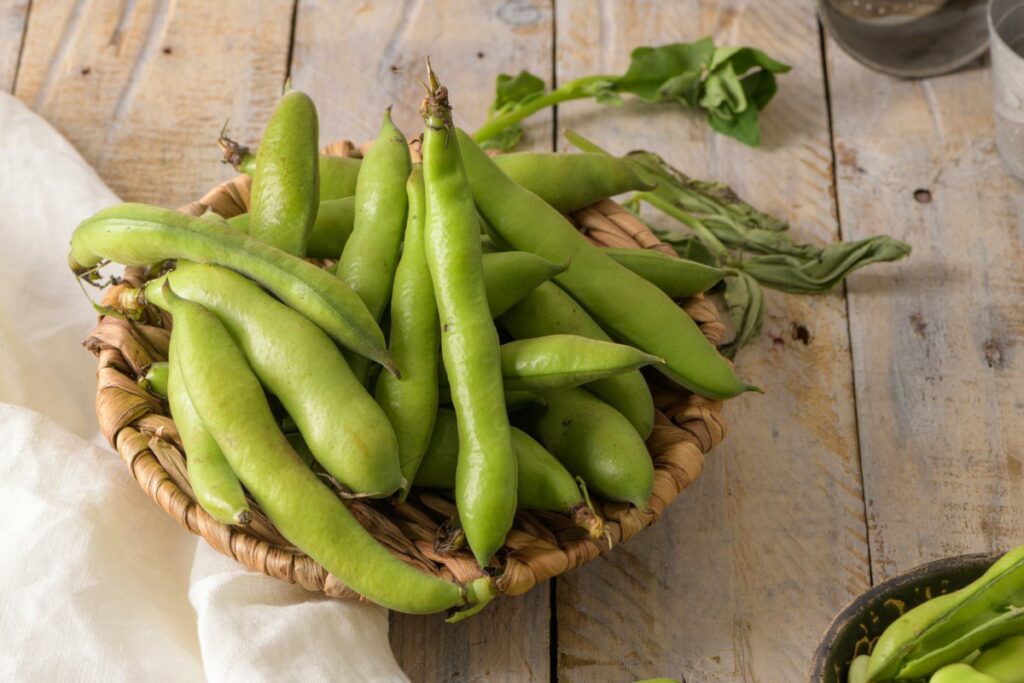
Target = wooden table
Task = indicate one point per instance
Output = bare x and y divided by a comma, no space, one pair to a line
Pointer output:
890,432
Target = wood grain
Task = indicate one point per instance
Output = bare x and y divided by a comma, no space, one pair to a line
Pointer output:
743,573
13,17
142,88
355,59
936,339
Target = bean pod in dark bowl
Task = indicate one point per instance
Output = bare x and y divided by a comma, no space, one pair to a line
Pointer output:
858,626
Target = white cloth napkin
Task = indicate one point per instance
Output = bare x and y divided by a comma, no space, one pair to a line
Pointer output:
95,580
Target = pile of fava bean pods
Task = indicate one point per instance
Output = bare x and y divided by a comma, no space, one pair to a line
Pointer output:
971,635
281,377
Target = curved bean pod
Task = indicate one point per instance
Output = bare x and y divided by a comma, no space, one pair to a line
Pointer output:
285,185
229,399
594,441
675,276
1004,661
485,490
630,308
346,430
560,361
510,275
411,402
215,484
338,175
368,261
544,484
370,256
571,181
330,231
549,310
139,234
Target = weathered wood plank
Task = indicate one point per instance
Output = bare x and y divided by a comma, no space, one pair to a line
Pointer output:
355,59
142,88
739,579
935,340
13,18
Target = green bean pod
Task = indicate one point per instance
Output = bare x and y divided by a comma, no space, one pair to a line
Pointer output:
549,310
411,402
630,308
156,377
675,276
544,484
285,185
214,483
331,229
1004,661
571,181
485,490
515,400
595,442
230,401
139,234
561,361
510,275
858,672
344,427
301,448
945,629
370,256
960,673
338,175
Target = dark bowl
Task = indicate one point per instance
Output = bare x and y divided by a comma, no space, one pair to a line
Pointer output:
854,629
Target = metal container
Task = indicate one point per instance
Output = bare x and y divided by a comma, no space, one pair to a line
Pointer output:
908,38
1006,25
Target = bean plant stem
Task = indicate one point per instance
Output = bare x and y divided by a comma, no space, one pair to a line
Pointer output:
702,231
573,90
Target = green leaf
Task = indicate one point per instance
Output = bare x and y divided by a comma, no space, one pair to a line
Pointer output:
514,90
759,88
608,97
743,126
510,93
716,205
724,81
681,65
827,269
745,300
743,59
505,140
724,94
683,88
689,248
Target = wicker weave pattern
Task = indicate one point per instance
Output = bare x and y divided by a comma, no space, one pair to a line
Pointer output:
541,545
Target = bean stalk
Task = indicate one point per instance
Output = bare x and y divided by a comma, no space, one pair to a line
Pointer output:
723,230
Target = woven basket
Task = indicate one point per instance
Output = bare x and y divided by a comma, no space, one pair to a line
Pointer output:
540,545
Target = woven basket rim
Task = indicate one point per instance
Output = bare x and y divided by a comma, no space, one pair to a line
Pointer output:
540,546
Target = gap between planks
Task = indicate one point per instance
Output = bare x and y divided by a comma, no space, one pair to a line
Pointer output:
823,44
